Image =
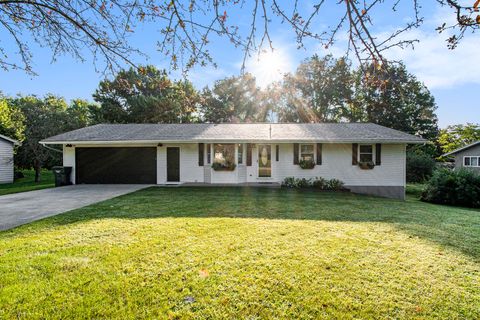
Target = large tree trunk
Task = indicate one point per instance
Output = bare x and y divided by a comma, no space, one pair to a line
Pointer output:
37,168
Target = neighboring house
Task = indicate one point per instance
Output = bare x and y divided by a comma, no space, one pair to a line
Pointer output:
367,157
467,157
6,158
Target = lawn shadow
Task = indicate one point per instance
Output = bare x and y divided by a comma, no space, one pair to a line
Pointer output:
457,228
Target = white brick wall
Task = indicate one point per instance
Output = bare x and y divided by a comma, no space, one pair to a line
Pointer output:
336,163
190,171
69,160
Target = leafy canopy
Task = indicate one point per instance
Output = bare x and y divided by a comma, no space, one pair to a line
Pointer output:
145,95
457,136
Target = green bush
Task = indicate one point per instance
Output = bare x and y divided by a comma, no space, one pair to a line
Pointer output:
316,183
335,185
303,183
320,183
289,182
459,188
420,167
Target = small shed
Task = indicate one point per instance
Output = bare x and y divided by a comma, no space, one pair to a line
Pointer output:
6,158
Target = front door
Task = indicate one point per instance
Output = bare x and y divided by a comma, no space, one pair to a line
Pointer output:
173,164
264,161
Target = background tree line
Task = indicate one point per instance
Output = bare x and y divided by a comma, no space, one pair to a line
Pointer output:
322,89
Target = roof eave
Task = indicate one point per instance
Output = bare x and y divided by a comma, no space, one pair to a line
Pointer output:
107,142
15,142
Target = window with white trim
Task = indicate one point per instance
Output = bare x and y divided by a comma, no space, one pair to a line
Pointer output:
365,153
471,161
307,152
224,153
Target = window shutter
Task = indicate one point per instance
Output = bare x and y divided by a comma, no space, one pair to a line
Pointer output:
319,153
295,153
354,154
201,150
378,154
249,154
277,152
209,153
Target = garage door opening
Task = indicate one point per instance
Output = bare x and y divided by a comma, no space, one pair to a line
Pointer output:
116,165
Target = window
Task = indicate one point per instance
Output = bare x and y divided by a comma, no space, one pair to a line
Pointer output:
240,153
307,152
277,152
366,153
470,161
224,154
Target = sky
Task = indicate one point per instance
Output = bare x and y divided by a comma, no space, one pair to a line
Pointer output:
451,75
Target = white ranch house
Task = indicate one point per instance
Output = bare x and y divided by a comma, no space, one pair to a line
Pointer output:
368,158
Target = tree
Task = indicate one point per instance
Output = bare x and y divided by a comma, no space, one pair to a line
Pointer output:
401,102
187,27
458,135
235,99
11,120
145,95
320,90
44,118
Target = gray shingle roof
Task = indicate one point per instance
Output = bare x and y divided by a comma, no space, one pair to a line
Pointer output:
247,132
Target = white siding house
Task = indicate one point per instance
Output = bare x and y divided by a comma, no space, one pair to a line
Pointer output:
6,159
245,154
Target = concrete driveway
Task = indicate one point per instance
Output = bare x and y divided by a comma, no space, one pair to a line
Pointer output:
20,208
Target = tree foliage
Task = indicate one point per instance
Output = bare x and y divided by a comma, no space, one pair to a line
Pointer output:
402,103
12,120
235,99
145,95
43,118
330,90
320,90
457,136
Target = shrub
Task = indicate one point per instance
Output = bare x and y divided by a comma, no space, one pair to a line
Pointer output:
335,185
289,182
303,183
461,188
320,183
420,167
317,183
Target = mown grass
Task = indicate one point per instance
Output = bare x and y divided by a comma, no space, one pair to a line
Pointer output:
27,183
244,253
415,189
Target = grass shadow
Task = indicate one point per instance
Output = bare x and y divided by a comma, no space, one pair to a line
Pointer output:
453,227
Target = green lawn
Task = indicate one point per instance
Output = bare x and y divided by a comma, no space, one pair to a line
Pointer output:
415,189
28,183
244,253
